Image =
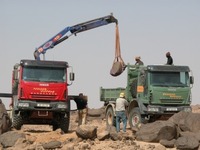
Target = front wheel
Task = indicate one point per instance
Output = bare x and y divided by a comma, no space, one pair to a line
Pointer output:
135,118
110,117
17,121
64,123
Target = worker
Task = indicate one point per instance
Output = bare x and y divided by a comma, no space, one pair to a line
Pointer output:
138,61
121,104
169,59
81,102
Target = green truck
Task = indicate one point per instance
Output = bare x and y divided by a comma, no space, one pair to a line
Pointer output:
153,92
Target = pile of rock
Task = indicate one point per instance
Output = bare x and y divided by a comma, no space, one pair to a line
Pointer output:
182,131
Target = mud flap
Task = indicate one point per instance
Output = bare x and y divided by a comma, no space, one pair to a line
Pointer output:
118,65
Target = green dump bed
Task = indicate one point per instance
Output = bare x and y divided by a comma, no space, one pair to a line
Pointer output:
110,94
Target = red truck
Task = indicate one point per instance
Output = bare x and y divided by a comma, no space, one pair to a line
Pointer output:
40,93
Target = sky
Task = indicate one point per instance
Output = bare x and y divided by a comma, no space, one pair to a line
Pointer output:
147,28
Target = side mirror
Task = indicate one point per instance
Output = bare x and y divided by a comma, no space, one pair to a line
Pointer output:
191,80
15,72
71,76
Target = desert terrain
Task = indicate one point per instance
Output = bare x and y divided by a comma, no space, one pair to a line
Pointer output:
43,134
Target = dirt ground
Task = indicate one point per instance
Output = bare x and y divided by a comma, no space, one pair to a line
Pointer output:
44,133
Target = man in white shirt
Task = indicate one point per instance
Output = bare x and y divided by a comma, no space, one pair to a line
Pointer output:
121,104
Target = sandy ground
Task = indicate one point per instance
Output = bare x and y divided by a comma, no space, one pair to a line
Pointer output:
44,133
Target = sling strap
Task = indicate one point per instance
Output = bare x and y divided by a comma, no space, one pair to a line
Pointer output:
118,65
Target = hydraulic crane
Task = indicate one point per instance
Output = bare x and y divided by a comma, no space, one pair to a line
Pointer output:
59,37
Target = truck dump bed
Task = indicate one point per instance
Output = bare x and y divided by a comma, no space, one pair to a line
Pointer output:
110,94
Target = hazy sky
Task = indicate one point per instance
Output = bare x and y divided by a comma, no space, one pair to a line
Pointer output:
147,28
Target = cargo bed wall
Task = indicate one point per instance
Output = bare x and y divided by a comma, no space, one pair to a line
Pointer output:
110,94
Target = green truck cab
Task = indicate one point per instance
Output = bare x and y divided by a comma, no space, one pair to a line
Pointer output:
153,92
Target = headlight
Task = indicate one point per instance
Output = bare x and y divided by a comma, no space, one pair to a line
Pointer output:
62,106
153,109
23,105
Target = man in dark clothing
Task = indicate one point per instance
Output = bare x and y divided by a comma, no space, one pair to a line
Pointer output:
81,102
138,61
169,59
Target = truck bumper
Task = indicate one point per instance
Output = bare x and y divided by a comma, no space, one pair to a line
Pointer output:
45,106
154,109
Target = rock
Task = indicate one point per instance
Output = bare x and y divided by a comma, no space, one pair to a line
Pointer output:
69,146
84,146
187,143
160,147
21,143
191,122
186,121
103,135
114,136
9,138
86,132
31,139
5,121
177,117
167,143
52,145
156,131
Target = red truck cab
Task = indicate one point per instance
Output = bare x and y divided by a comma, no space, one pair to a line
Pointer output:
40,93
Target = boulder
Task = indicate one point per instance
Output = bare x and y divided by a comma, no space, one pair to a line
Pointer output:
52,145
9,139
187,143
5,121
156,131
103,135
186,121
168,144
86,132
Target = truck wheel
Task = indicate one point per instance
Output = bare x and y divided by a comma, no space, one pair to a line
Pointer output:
17,122
135,117
64,123
110,118
134,88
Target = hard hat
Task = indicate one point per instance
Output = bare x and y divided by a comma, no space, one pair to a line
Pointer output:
122,95
138,57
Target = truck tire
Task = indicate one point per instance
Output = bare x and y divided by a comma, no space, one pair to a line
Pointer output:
64,123
135,118
134,88
17,122
110,118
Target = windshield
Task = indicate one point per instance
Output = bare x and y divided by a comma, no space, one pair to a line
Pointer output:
44,74
175,79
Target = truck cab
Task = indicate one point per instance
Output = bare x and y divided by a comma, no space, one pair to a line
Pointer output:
153,92
40,93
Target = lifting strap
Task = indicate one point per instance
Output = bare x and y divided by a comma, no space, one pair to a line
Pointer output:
118,65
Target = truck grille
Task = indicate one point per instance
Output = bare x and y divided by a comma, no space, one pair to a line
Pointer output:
172,101
35,96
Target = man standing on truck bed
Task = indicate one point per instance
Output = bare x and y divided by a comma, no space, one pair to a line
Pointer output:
169,59
81,102
138,61
121,104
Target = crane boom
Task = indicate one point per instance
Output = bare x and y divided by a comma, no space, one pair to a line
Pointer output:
59,37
